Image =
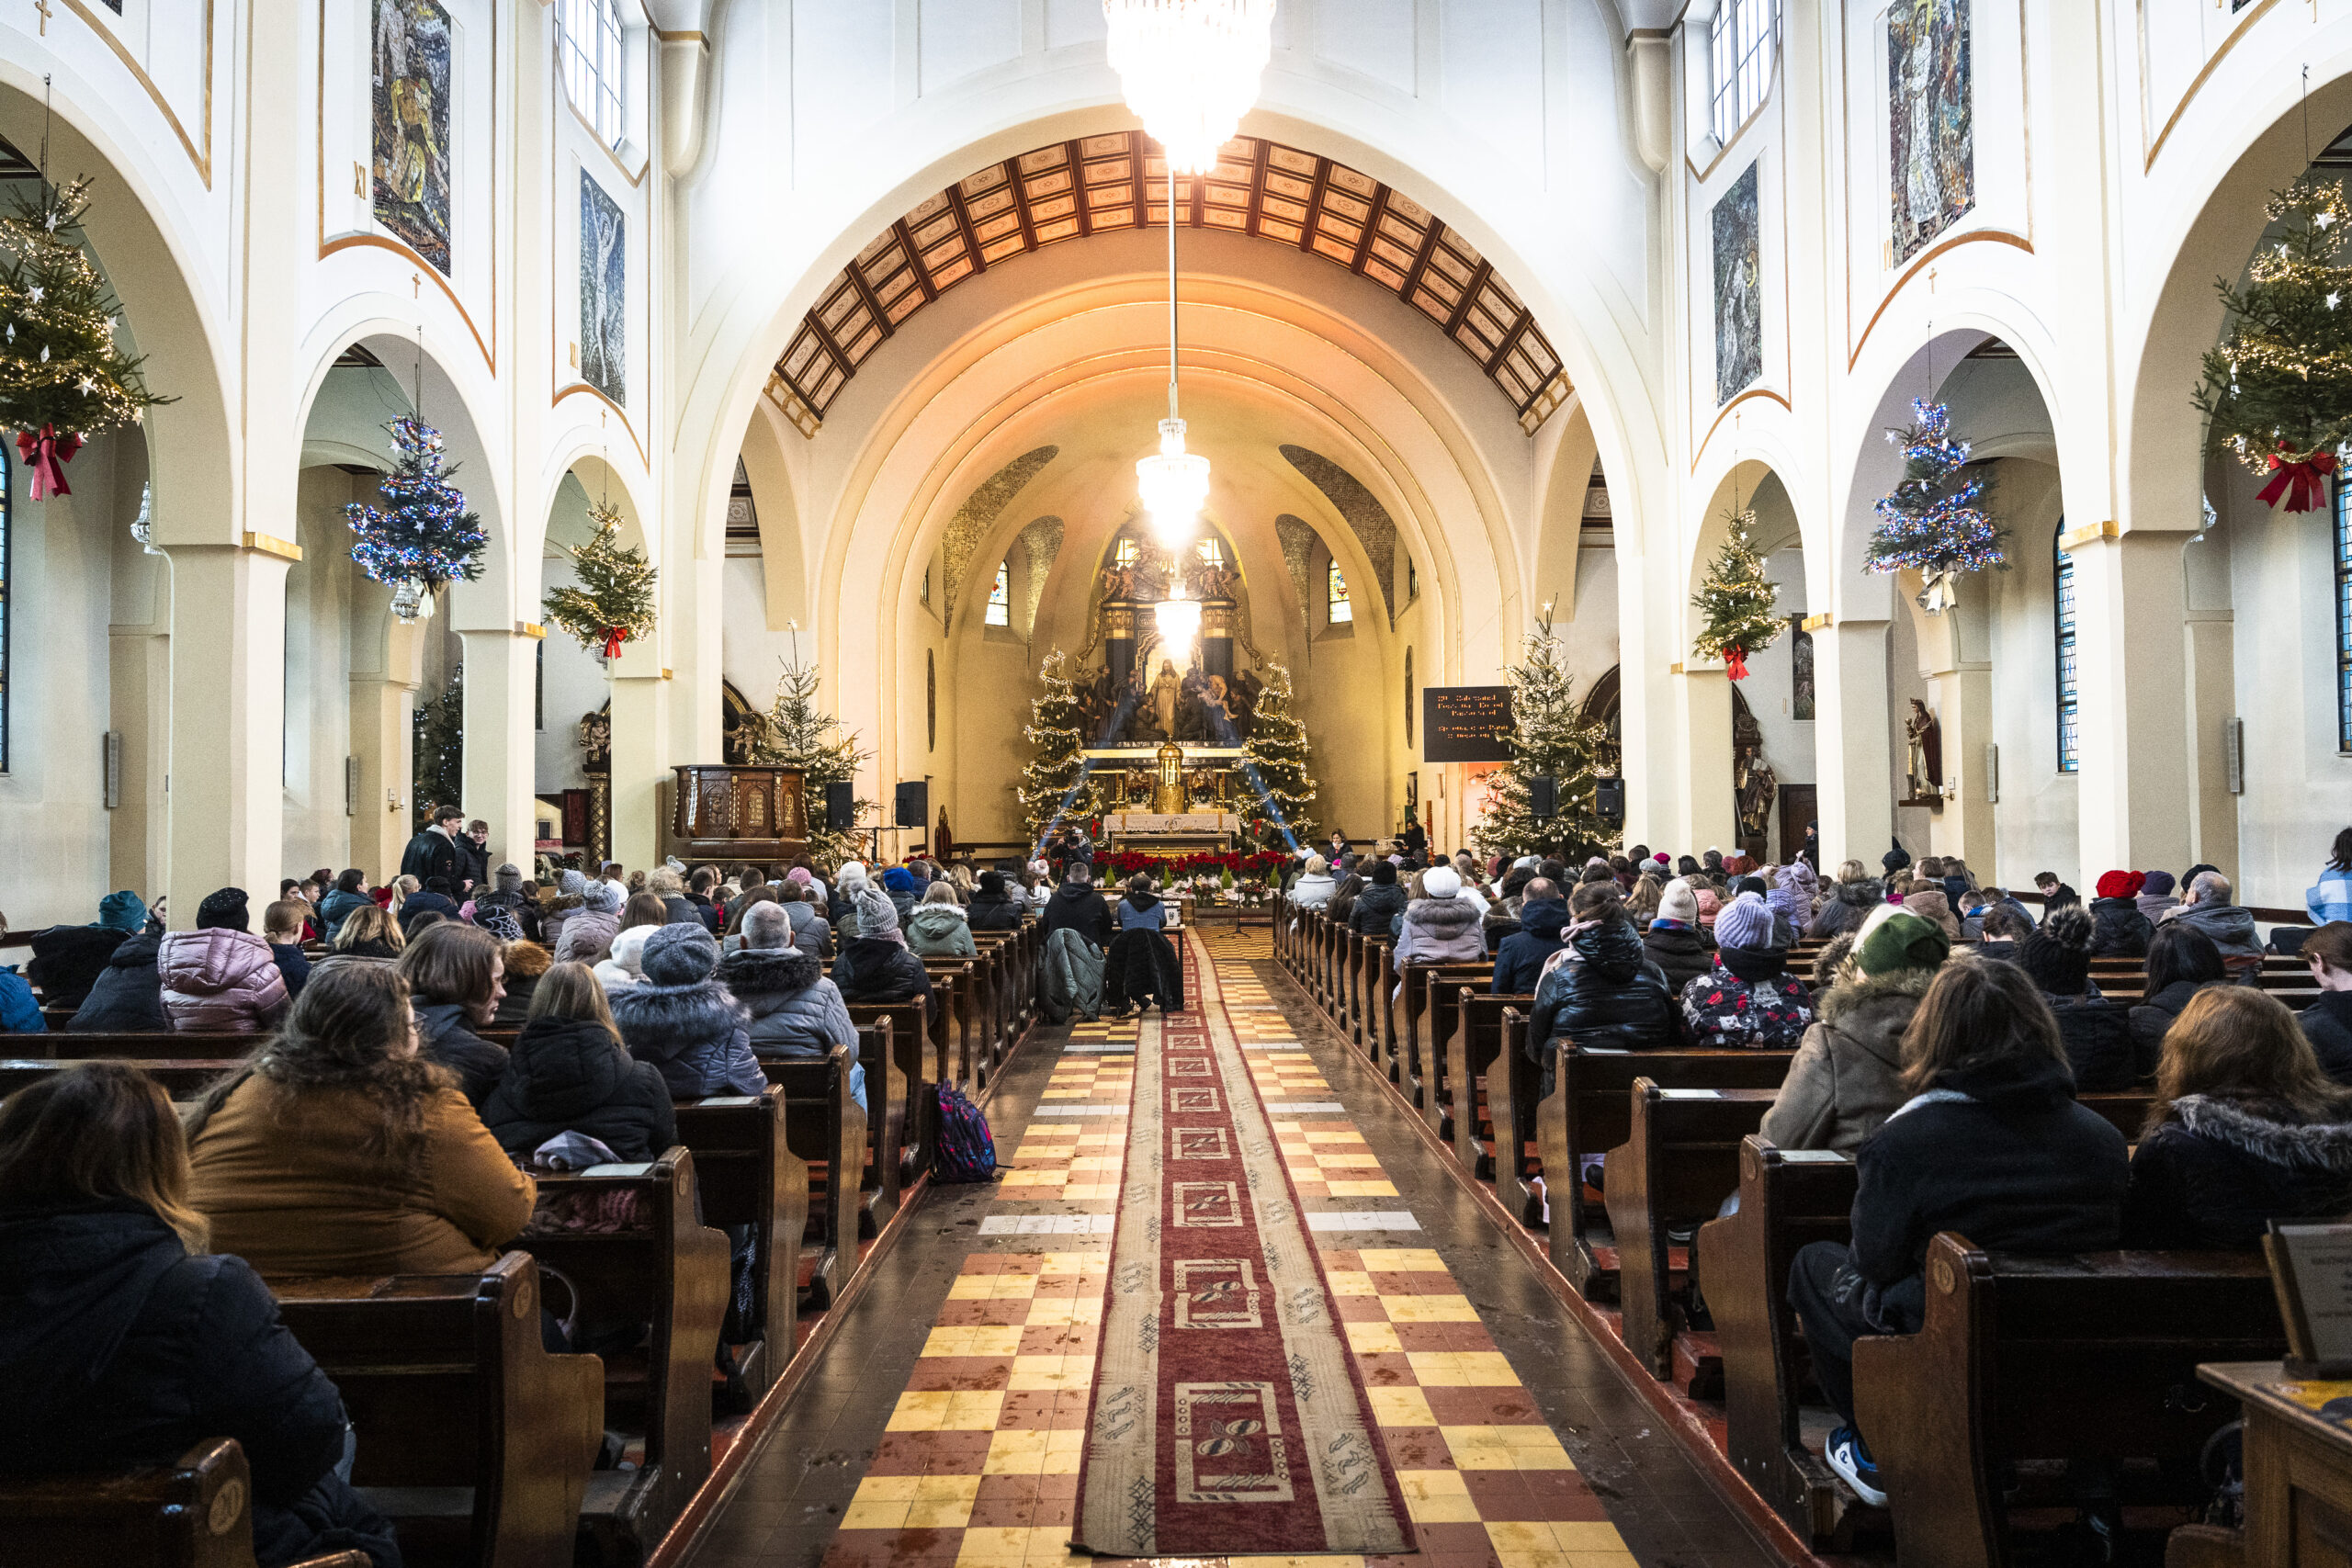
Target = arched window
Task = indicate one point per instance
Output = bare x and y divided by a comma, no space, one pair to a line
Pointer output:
589,55
1125,552
2344,618
1341,611
2070,756
1000,612
1212,551
1740,43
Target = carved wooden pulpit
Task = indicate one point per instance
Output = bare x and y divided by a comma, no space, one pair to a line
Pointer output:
727,813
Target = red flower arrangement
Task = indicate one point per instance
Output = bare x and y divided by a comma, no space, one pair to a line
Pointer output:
1261,863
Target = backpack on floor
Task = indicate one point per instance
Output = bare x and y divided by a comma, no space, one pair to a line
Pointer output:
967,1149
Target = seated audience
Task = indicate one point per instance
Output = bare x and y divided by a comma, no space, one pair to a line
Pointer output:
433,898
588,931
367,936
67,960
669,888
455,977
1599,991
1748,999
939,928
2005,928
1075,905
1791,892
2327,1020
1990,1144
2055,895
2157,898
2245,1129
1926,900
221,978
1440,924
2097,1033
2117,927
1847,1077
766,893
503,910
19,1008
1519,963
569,1072
1382,900
525,963
1681,948
1343,899
625,965
339,1148
899,884
282,926
682,1019
2181,962
1311,889
123,1342
992,908
796,1010
2230,926
875,965
348,897
1141,910
2330,898
1642,903
810,930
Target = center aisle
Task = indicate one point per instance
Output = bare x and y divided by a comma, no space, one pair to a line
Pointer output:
948,1423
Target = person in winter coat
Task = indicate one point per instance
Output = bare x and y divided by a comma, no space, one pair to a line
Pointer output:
1990,1144
527,962
124,1343
2097,1033
281,927
1791,897
221,978
877,968
992,908
1440,925
1748,1000
625,965
766,893
1380,903
682,1019
1847,1077
810,931
796,1010
2330,898
19,1008
2230,926
2117,927
939,928
1342,908
589,930
1519,963
2328,1021
128,996
434,852
500,908
2157,898
1077,905
569,1072
900,883
1312,888
1141,908
433,898
367,936
1681,948
339,1149
2181,963
1930,904
457,977
2245,1129
1599,990
68,960
348,897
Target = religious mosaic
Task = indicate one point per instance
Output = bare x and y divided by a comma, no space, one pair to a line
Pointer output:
1739,307
1931,128
604,292
409,126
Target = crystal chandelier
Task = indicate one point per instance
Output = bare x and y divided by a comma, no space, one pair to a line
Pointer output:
1175,482
1177,616
1190,68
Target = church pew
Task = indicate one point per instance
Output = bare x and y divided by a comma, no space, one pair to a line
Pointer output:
749,1175
664,1268
1512,1083
145,1044
1346,1003
994,1009
824,1128
473,1440
181,1079
967,1013
1471,1049
914,1105
196,1512
1376,1010
1442,988
2091,1357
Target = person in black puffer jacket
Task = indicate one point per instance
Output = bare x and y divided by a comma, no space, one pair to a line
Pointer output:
2117,927
1681,948
992,909
68,960
456,976
1075,905
128,996
123,1343
1601,990
1380,903
2245,1129
569,1072
2182,961
682,1019
1519,964
1850,904
2328,1021
2098,1033
874,968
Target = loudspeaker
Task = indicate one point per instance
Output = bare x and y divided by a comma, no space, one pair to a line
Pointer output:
841,807
913,804
1544,797
1609,799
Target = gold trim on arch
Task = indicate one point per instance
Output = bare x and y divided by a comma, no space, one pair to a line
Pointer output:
203,161
1751,392
2001,236
1812,624
577,388
2139,17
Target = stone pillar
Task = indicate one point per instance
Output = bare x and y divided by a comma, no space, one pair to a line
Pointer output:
502,669
224,786
1956,658
1852,761
640,756
383,708
1702,760
2132,672
2211,690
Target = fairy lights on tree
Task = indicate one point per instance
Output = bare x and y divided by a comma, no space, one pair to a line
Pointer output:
1931,524
614,601
1738,599
424,537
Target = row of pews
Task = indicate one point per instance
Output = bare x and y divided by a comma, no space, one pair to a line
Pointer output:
475,1441
2028,1369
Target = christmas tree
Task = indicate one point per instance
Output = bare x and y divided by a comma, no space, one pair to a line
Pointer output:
1274,760
438,764
62,379
1736,598
425,536
1550,739
798,733
1931,522
615,599
1056,784
2279,389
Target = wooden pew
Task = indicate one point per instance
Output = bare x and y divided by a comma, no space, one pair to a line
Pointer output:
749,1175
472,1439
666,1270
960,1052
1511,1082
2023,1358
824,1128
898,1132
196,1512
144,1046
1441,987
1376,1012
1470,1048
181,1080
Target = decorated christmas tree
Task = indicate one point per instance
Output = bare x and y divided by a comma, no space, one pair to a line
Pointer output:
62,379
1550,739
438,760
615,599
1273,763
424,537
1931,524
1056,784
2279,389
799,733
1736,598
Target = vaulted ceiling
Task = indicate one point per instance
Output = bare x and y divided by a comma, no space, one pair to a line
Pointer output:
1073,189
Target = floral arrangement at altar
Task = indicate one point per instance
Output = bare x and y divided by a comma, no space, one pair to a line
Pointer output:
1223,868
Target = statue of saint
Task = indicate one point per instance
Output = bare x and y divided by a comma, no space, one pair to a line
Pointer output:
1923,752
1165,687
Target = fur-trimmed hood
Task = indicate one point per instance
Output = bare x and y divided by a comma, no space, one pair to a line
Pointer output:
2269,1130
1441,918
763,979
1866,894
527,960
667,1023
1850,994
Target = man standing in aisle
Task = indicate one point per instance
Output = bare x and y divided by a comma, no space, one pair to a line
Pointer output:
434,852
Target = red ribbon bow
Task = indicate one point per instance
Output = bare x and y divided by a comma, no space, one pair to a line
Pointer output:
613,637
2303,484
1735,663
48,453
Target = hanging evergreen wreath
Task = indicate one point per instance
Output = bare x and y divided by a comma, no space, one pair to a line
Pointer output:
1932,524
615,599
1737,599
426,537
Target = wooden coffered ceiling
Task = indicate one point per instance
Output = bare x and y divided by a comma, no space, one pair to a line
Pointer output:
1072,189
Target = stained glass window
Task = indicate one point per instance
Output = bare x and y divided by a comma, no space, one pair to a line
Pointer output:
1001,597
2070,756
589,55
2344,618
1341,611
1739,56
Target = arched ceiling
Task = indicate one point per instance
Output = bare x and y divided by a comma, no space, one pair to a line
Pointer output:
1073,189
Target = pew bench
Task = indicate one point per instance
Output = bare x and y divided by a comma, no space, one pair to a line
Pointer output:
1473,1045
825,1130
196,1512
748,1174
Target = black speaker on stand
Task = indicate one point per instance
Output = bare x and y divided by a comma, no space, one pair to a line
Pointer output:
1609,800
913,805
841,806
1544,797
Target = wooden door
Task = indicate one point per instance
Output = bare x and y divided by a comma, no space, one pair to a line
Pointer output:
1799,804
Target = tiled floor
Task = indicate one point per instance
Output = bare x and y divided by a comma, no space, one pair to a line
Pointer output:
946,1424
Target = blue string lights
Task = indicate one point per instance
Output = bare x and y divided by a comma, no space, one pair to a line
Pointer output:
424,536
1932,524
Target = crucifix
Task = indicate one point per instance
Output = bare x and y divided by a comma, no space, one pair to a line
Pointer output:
42,7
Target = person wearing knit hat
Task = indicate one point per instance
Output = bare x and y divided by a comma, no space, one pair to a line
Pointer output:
2117,927
572,884
683,1022
2156,896
1847,1077
875,965
1674,939
2097,1033
1441,924
1748,998
1892,939
123,911
588,931
1895,859
1709,903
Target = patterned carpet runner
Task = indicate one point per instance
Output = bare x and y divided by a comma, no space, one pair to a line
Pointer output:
1228,1416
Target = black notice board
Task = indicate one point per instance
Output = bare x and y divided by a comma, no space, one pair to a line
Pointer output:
1466,724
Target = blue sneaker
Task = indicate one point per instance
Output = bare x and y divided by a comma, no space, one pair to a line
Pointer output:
1850,1457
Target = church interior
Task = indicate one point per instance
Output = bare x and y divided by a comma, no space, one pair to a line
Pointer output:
724,712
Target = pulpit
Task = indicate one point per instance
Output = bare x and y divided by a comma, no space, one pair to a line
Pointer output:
723,814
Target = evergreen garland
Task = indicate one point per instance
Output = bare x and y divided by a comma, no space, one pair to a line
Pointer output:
1056,784
425,536
62,379
1932,524
1737,599
2278,390
437,763
1273,762
798,733
1549,738
615,599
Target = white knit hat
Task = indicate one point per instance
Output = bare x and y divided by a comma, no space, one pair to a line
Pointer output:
1441,882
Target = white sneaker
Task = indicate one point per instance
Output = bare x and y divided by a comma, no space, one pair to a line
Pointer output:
1854,1466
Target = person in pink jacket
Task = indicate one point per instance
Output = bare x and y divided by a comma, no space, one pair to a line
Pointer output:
221,978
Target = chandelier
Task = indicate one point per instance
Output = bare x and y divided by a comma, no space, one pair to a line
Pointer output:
1190,68
1178,616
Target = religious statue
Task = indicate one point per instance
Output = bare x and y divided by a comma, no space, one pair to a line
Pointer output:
1758,787
1166,688
597,741
1119,582
1923,754
1245,689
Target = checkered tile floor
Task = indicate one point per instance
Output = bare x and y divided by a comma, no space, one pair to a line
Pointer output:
979,1463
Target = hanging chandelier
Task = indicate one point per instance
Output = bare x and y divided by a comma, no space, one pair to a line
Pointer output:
1178,616
1190,68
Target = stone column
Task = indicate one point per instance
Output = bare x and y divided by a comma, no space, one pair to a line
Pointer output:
1851,758
383,708
1702,760
642,721
1956,658
502,668
2132,672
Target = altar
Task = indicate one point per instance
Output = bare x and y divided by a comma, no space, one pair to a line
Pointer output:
1171,832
